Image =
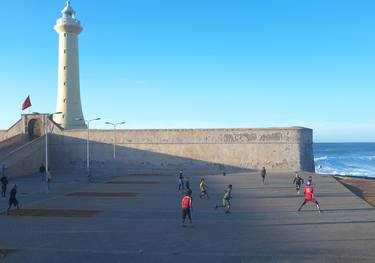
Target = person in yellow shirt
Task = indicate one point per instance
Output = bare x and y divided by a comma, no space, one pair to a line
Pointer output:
49,178
203,187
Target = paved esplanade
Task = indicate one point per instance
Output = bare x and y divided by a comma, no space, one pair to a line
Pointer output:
263,227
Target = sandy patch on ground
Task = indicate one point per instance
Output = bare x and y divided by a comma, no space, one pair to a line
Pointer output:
364,188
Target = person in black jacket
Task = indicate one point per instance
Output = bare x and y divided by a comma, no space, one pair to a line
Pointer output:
42,171
4,183
181,184
263,174
13,198
298,181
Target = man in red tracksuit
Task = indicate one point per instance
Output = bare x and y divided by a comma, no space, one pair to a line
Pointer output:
186,208
309,196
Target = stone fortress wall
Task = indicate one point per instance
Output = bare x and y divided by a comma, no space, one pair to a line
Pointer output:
282,149
288,149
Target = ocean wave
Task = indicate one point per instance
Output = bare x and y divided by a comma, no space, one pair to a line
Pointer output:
345,159
320,158
358,157
346,171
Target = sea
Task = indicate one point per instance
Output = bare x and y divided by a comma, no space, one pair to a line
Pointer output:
347,159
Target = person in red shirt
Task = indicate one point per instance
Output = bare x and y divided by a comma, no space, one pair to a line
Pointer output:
186,208
309,196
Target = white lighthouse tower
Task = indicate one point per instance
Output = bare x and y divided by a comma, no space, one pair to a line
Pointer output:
69,98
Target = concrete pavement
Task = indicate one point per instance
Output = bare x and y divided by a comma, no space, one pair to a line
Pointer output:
263,227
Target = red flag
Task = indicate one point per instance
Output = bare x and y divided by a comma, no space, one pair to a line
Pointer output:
27,103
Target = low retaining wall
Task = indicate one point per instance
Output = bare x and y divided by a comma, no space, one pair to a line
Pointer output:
13,141
16,129
25,160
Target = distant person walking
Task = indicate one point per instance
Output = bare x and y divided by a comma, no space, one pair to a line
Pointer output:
4,184
226,199
181,185
203,188
187,206
13,199
298,181
309,196
42,171
187,183
263,174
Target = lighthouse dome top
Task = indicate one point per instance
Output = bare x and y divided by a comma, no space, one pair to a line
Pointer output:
68,22
68,10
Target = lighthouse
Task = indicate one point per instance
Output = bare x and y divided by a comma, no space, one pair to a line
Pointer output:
69,97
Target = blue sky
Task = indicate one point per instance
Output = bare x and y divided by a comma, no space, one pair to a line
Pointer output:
199,64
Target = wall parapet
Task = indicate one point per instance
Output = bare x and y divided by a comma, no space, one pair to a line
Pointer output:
197,136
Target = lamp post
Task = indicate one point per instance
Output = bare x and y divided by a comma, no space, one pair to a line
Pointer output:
46,117
114,136
88,142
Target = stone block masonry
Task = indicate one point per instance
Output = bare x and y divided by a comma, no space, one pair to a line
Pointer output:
283,149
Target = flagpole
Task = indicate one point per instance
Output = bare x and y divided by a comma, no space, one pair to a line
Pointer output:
30,104
46,119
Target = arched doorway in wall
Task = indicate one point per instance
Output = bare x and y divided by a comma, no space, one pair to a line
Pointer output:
34,128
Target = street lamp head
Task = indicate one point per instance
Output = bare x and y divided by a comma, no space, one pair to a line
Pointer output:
122,122
55,113
97,119
79,119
